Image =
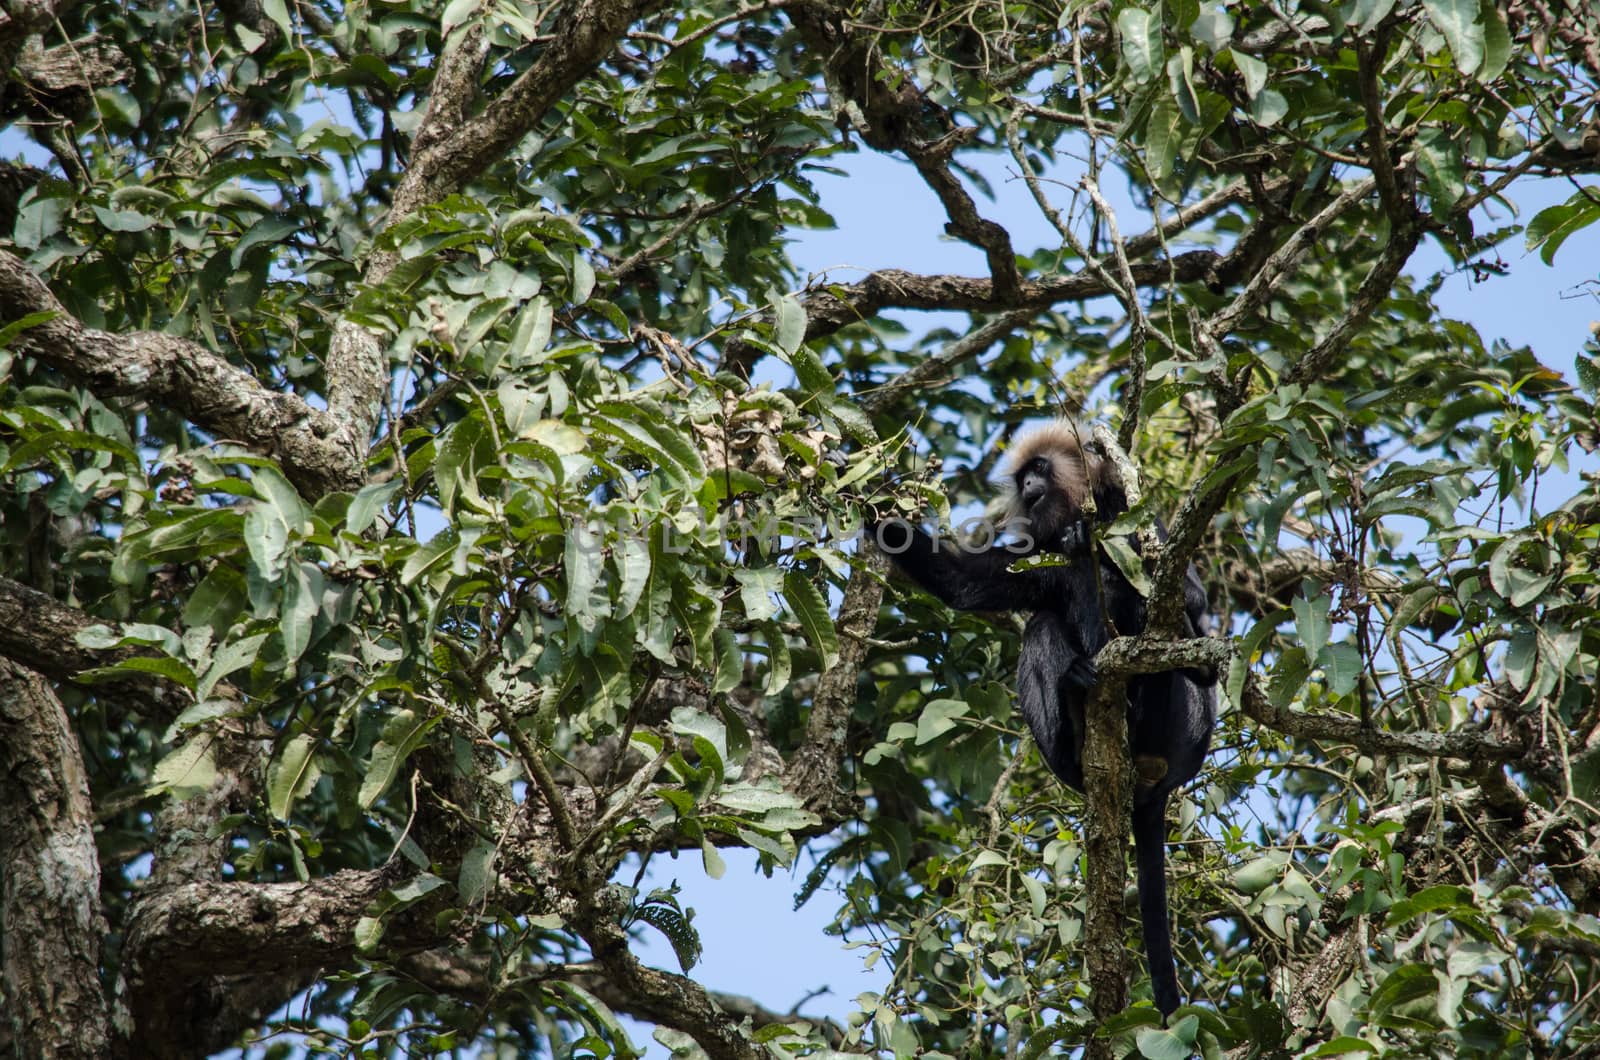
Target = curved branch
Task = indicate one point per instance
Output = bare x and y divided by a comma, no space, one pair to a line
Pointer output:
892,114
42,633
214,395
834,306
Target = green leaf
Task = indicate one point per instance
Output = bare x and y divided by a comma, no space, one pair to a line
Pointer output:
753,799
1119,550
278,12
582,279
811,609
66,442
368,502
1174,1043
1142,50
1252,69
302,600
530,333
461,456
1161,140
1344,1045
232,657
269,229
938,718
1428,900
631,557
711,860
1036,896
1369,13
10,330
1180,79
402,734
123,220
160,666
1440,161
1214,27
1343,665
429,556
1458,21
757,587
676,927
1311,623
187,771
292,774
789,326
1405,983
780,664
477,873
1552,226
730,663
456,13
1413,605
1268,108
812,374
1496,42
1259,873
1587,368
369,929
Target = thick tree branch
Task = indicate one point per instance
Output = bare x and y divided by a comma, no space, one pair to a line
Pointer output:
41,633
49,879
934,370
191,949
451,148
734,1006
813,772
1565,846
1372,293
224,401
20,20
835,306
1369,61
1108,796
585,34
664,997
1212,492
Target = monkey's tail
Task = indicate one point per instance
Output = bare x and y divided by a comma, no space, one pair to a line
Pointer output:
1150,854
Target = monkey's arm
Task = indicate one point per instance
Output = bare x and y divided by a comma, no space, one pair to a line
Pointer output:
967,581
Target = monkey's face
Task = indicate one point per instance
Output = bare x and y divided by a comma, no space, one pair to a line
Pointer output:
1042,501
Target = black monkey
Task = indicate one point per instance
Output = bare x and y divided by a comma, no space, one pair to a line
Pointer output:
1050,474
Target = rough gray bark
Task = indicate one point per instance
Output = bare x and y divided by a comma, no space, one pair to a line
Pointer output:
50,900
318,452
1108,793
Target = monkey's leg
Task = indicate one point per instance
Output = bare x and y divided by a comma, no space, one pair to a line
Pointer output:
1044,689
1150,854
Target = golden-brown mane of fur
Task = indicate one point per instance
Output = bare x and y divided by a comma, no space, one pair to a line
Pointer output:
1071,470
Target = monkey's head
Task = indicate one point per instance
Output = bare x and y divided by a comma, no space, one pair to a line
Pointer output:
1049,473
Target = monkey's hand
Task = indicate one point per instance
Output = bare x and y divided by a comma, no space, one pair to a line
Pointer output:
1080,673
1076,538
